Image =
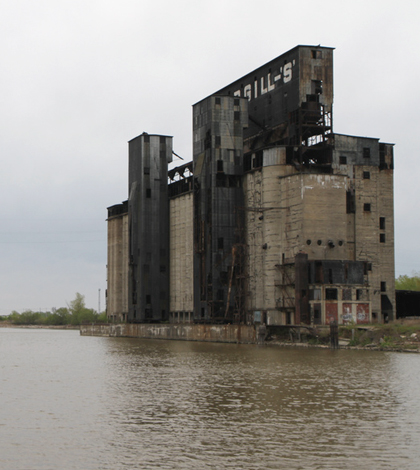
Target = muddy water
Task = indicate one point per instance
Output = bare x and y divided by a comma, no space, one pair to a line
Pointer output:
71,402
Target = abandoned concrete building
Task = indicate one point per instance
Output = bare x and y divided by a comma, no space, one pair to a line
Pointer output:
277,219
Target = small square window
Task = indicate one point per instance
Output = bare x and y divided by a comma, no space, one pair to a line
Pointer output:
366,207
346,294
366,175
146,170
217,101
236,102
343,160
366,152
382,237
331,294
220,243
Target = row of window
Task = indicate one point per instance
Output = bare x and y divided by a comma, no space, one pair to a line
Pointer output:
331,293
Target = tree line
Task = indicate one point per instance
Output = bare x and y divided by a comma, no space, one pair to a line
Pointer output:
405,282
75,314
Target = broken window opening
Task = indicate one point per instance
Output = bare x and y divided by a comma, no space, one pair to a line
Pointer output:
331,294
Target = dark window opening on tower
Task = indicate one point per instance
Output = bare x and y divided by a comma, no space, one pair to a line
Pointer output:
383,286
220,243
351,202
382,237
343,160
148,192
316,87
366,207
382,223
366,152
331,294
316,54
366,175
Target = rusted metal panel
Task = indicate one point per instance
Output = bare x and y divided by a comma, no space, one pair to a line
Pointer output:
362,313
331,312
347,313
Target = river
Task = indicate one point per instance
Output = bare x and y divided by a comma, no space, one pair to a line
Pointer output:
89,403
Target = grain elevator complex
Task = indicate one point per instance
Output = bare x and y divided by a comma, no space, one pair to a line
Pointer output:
276,220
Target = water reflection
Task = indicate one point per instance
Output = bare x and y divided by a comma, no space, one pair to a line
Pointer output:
113,403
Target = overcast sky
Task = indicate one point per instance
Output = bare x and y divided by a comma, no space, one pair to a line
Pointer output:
79,79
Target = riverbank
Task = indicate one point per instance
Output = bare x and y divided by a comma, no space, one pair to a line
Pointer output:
4,324
401,335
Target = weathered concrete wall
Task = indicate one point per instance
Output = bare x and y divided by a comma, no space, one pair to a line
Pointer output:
117,267
186,332
181,254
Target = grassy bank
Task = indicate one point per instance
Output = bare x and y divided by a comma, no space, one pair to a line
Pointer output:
399,335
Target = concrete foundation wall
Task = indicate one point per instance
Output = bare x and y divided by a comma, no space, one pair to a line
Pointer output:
186,332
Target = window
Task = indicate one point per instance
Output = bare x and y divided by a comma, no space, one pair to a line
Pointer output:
366,207
346,294
382,223
366,175
316,54
350,202
146,170
366,152
382,238
315,294
383,286
236,101
148,299
148,192
218,141
343,160
236,116
217,101
220,243
162,268
331,294
362,294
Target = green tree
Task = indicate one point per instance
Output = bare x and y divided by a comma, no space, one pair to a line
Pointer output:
405,282
79,313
